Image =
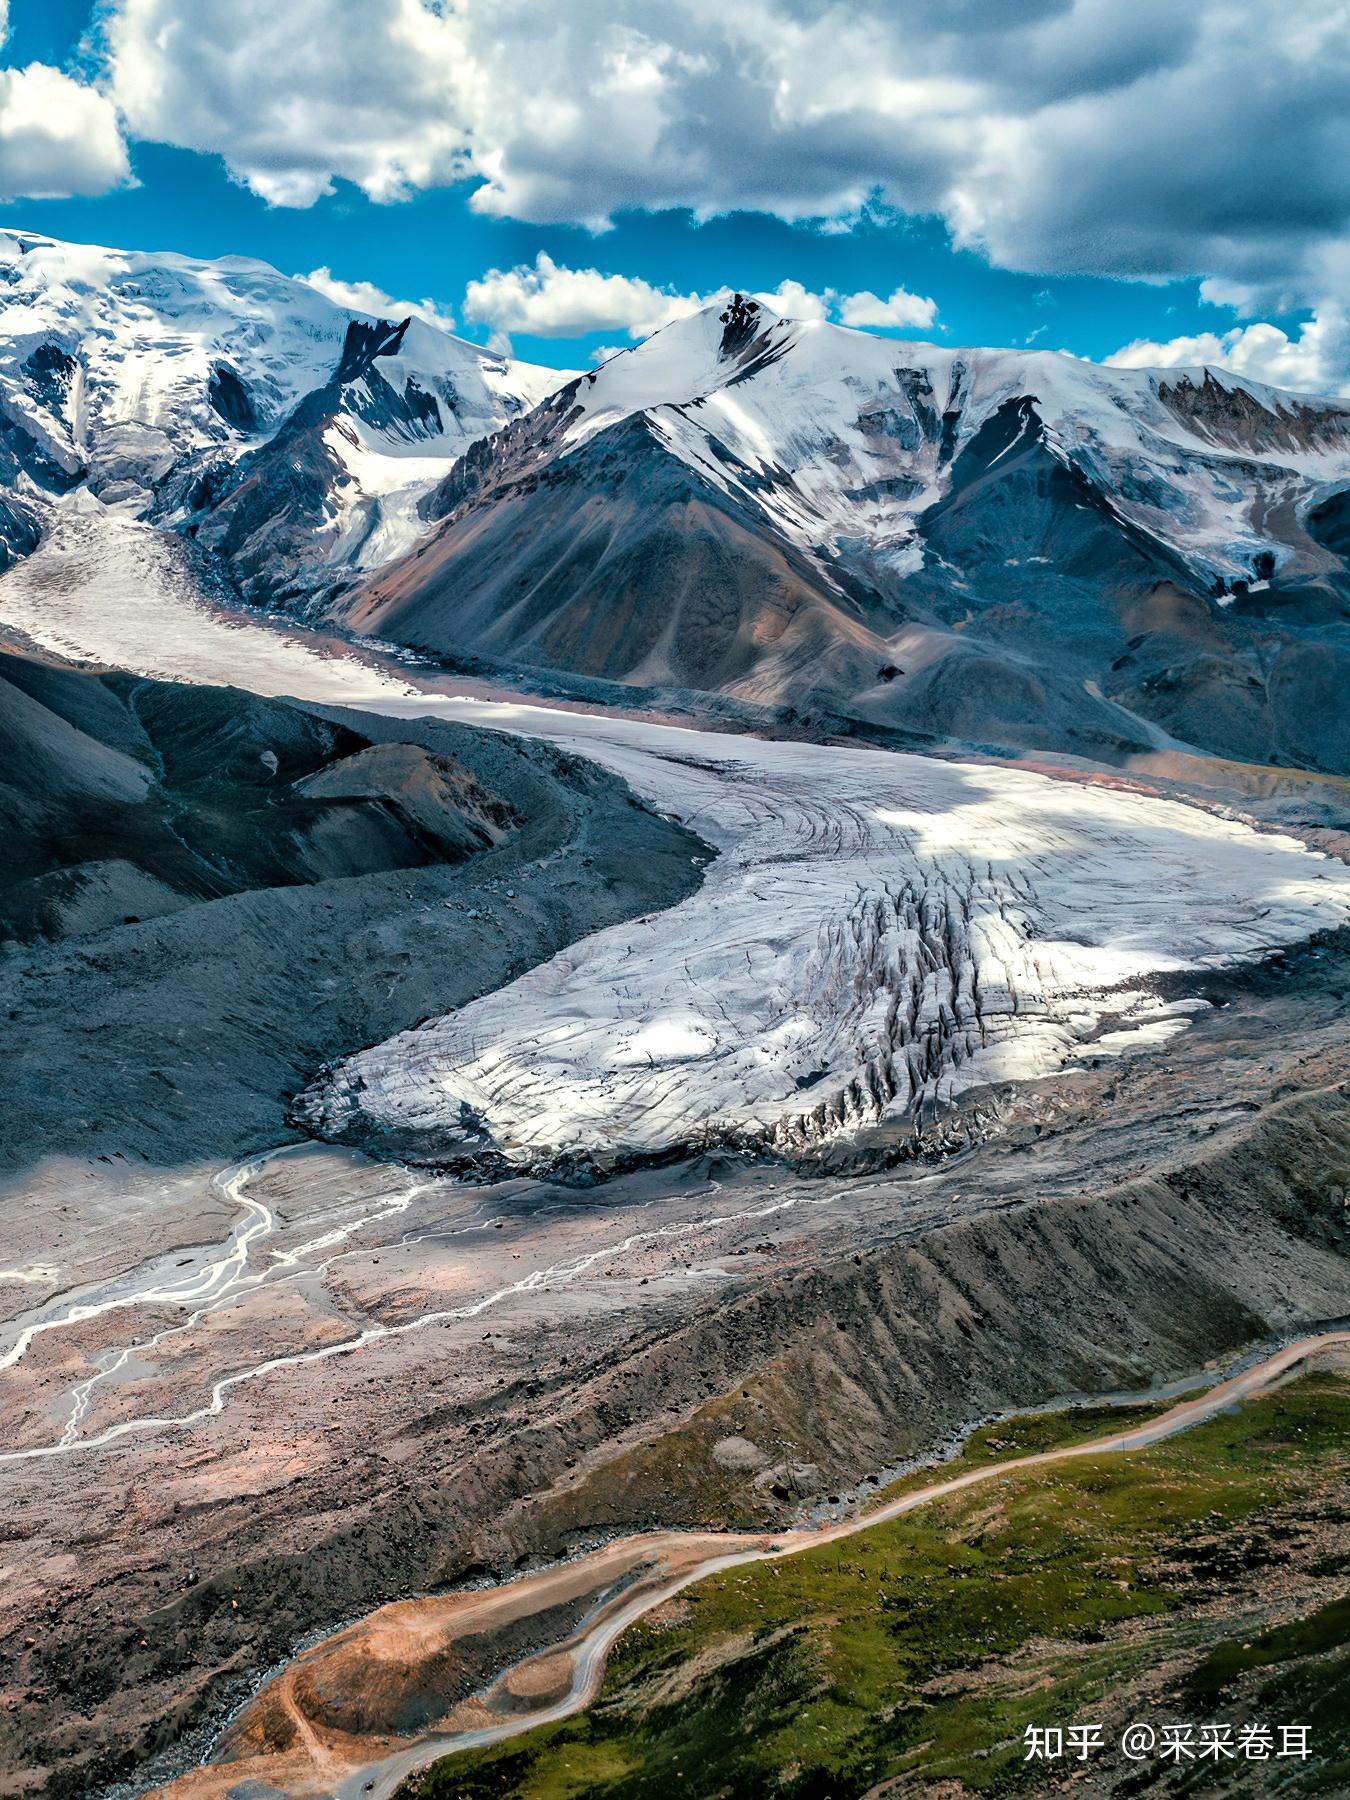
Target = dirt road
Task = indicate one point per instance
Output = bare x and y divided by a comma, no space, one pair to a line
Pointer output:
298,1736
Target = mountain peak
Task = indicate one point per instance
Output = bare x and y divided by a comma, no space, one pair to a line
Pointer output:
158,382
741,319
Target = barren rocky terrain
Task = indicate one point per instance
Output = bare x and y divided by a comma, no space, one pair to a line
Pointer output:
512,1126
356,1381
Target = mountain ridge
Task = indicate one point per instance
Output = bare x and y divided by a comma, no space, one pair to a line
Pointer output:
150,378
1000,548
1014,548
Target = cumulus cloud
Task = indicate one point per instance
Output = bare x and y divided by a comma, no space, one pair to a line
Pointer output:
1150,140
547,299
58,136
295,96
1313,361
1059,131
794,301
901,309
365,297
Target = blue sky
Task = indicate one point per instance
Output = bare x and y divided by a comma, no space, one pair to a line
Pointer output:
438,238
431,245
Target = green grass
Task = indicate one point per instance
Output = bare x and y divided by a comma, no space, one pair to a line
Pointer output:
1030,1434
926,1645
1326,1629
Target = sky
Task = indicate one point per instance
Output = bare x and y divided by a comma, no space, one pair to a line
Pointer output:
1145,183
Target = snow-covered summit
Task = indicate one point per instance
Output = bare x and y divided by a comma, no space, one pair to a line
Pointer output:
988,546
966,545
864,429
127,371
726,343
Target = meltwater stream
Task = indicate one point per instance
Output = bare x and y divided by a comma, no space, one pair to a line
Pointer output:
222,1280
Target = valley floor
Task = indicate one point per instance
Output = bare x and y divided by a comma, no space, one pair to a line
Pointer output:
248,1396
1197,1585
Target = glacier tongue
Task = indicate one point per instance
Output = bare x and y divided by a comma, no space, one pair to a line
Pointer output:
105,587
878,929
880,932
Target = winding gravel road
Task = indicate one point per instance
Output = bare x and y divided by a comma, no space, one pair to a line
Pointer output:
590,1647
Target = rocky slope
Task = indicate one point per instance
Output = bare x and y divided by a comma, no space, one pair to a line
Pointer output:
1198,1582
570,1418
208,894
127,799
1015,547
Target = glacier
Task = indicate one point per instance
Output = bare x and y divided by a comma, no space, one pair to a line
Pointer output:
880,933
140,376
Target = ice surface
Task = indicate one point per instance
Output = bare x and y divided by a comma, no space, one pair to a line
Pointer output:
879,931
105,587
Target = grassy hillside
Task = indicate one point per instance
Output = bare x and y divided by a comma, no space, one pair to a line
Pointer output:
1204,1579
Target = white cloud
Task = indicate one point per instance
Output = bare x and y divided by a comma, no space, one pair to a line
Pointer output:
1007,120
58,136
1151,140
547,299
1314,361
295,96
794,301
902,309
365,297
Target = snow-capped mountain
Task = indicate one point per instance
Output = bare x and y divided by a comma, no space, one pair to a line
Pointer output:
816,422
1009,546
236,403
971,546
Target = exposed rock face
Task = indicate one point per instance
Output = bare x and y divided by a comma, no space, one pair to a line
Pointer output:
1233,416
432,793
126,799
740,321
978,547
288,513
20,534
1328,522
